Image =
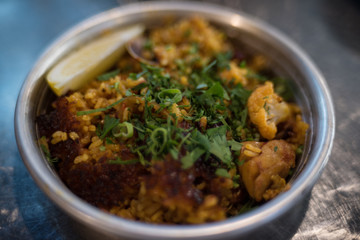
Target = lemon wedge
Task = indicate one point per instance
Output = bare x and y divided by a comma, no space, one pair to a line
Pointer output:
90,60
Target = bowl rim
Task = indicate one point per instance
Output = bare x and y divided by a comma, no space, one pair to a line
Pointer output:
90,215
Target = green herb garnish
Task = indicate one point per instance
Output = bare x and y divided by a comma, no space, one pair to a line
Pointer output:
159,139
136,76
249,205
219,145
221,172
208,67
80,113
191,157
223,60
46,151
299,150
240,163
218,91
123,130
109,123
128,93
267,108
123,162
235,146
109,75
108,141
140,86
242,64
170,96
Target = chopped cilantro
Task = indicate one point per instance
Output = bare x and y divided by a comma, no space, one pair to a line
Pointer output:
256,76
223,60
109,123
201,140
275,148
267,108
108,141
208,67
218,91
219,145
140,86
242,64
191,157
235,146
136,76
184,106
249,205
240,94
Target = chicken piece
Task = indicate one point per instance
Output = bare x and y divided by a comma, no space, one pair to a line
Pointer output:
267,109
263,162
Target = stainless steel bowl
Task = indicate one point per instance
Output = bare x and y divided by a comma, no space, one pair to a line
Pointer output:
286,58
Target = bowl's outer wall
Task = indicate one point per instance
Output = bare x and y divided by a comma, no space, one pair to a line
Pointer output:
287,59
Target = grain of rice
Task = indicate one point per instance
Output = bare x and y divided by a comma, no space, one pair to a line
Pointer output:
81,158
73,135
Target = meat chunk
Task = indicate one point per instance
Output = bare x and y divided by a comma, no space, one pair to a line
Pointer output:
263,164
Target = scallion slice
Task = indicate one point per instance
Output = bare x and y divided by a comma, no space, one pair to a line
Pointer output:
123,130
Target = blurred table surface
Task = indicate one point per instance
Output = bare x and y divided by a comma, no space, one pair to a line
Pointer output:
328,30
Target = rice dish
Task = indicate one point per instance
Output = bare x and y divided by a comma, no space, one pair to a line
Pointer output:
196,131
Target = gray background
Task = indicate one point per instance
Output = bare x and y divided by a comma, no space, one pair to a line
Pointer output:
328,31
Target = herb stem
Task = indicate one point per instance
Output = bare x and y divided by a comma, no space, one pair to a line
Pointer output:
81,113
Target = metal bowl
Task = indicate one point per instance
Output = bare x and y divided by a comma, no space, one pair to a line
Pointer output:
285,57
